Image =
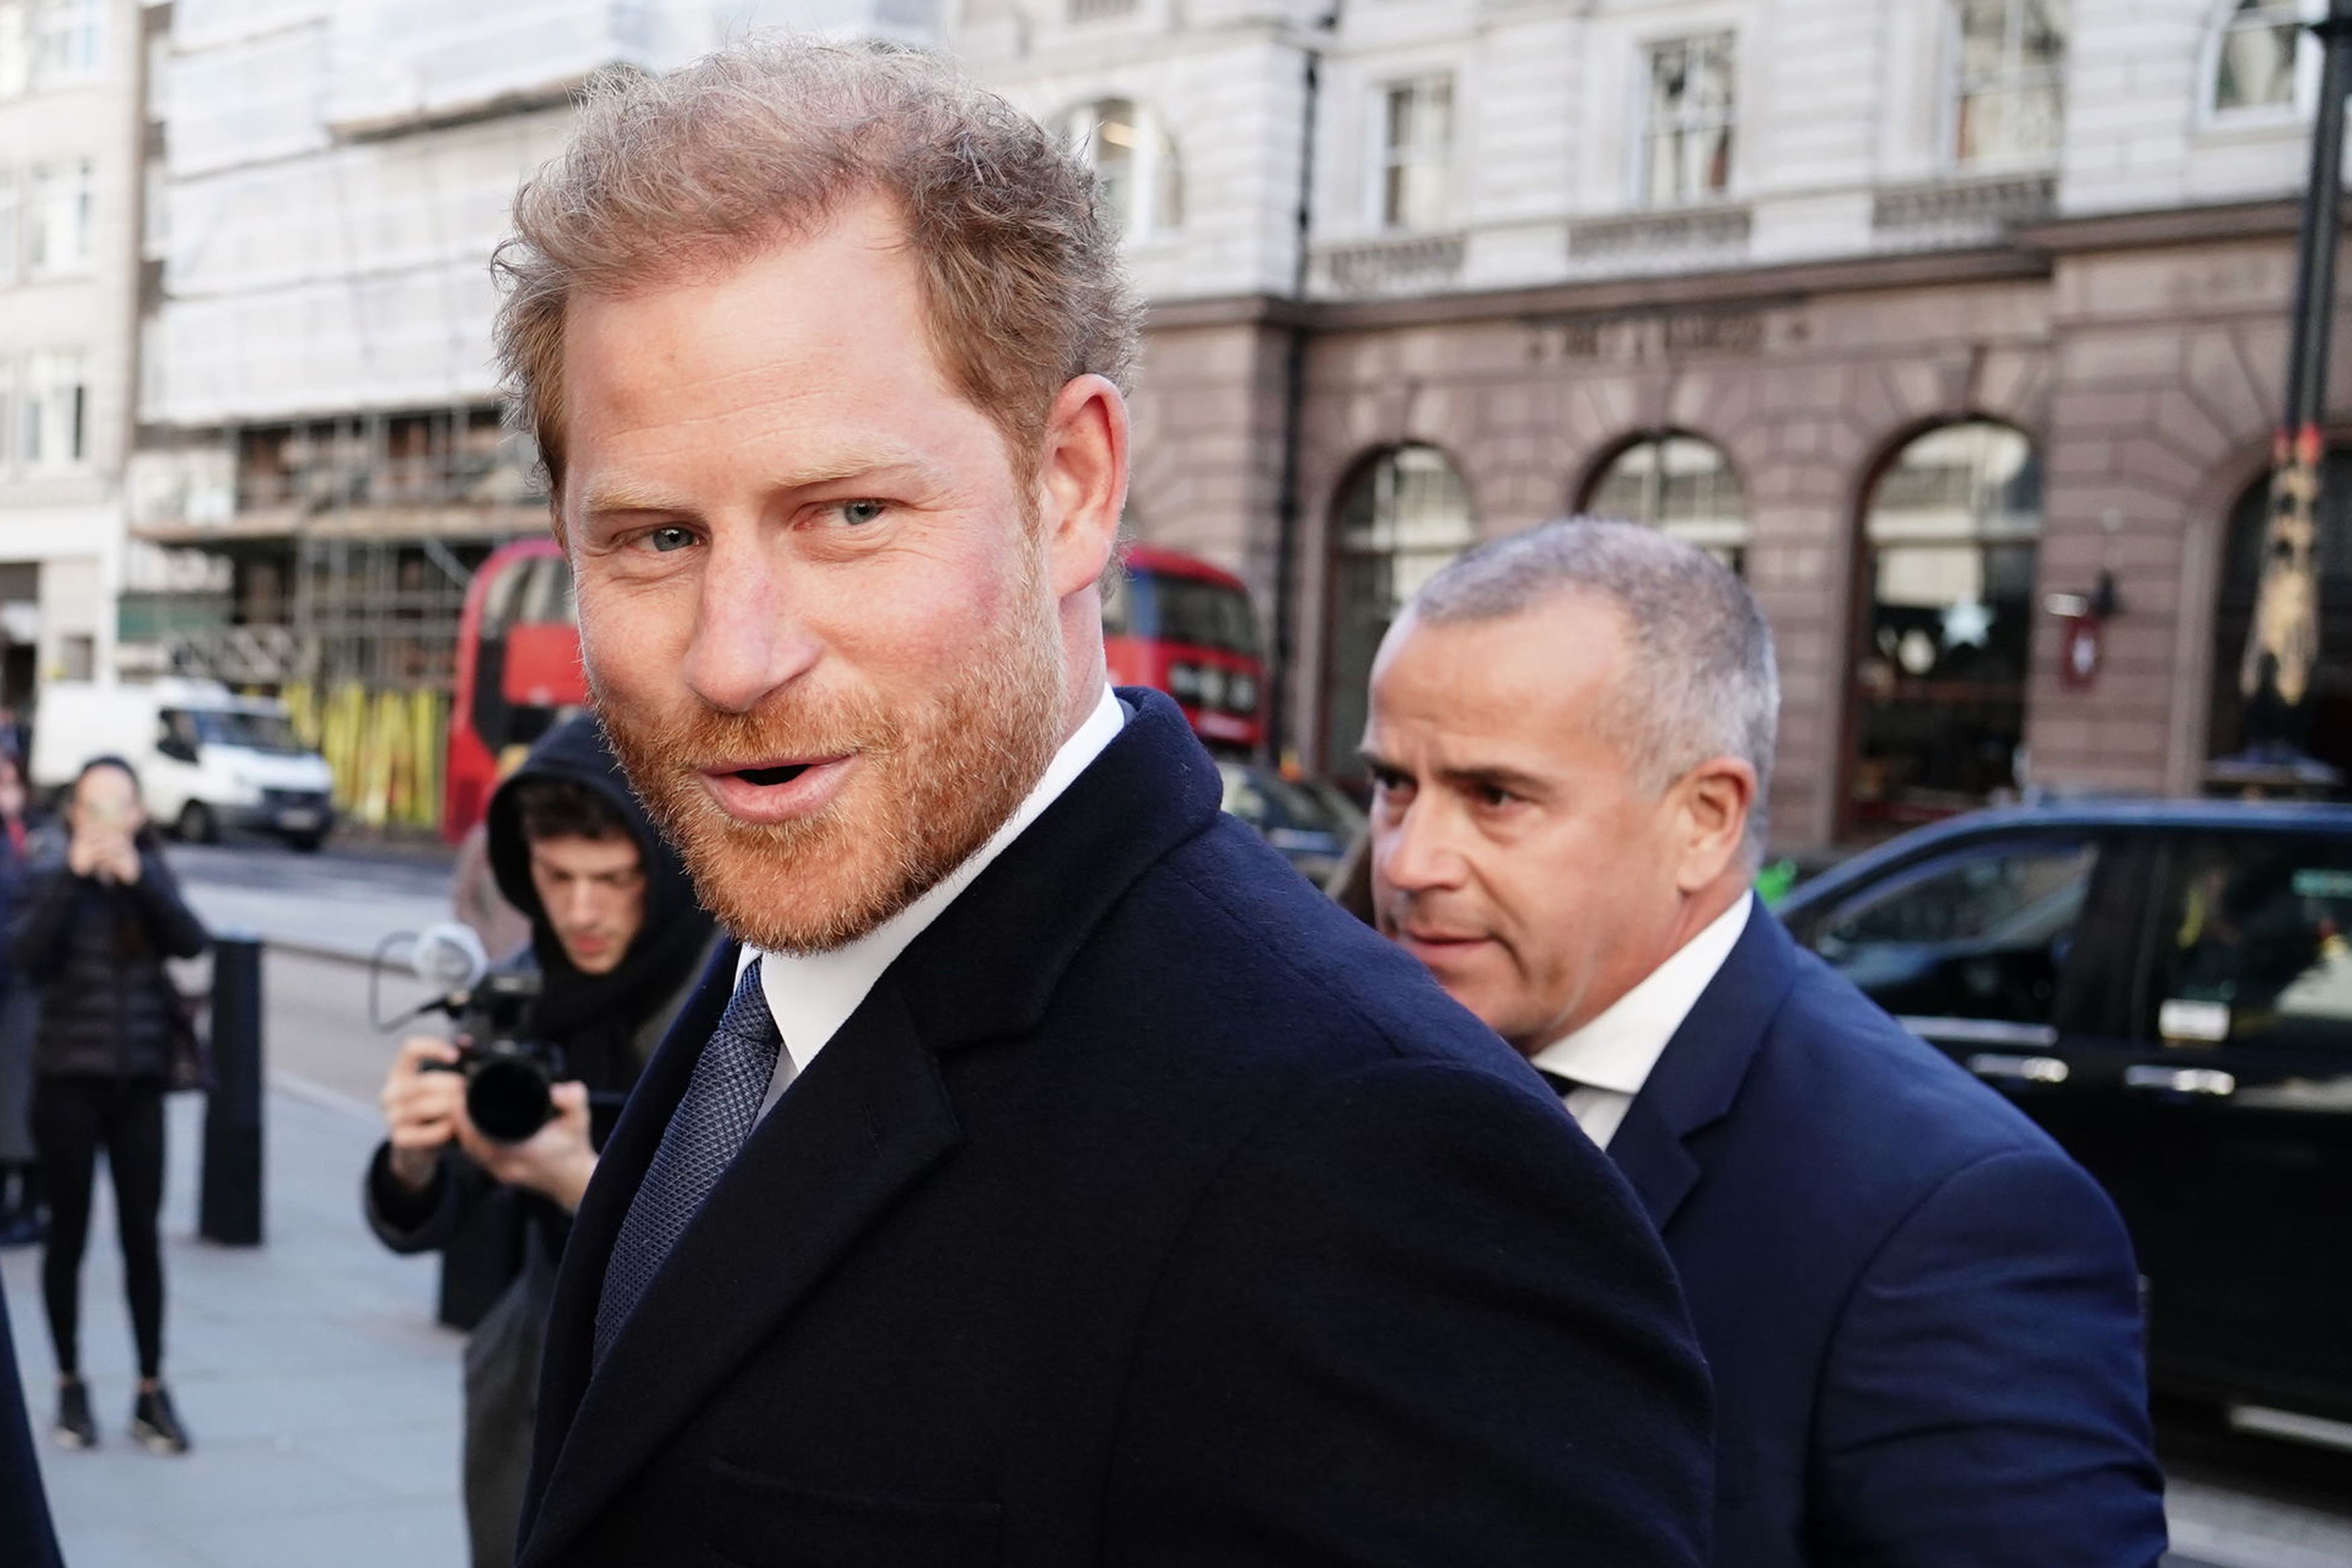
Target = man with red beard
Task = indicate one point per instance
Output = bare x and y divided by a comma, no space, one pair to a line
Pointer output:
1026,1189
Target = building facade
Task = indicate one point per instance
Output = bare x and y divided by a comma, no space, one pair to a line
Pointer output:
319,418
70,88
1945,320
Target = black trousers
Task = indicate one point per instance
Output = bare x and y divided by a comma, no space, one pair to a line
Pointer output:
72,1119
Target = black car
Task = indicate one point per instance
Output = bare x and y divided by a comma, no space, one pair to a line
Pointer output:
1310,821
2167,988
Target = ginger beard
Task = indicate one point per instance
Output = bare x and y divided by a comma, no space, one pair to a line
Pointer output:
932,783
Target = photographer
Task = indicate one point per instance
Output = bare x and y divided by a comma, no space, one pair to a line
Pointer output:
618,942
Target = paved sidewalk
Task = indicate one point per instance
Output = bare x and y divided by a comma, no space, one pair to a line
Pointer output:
322,1398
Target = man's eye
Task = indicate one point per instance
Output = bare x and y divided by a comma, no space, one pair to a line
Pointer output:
665,540
1494,797
858,512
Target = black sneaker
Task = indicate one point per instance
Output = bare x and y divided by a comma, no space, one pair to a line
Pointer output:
75,1428
157,1425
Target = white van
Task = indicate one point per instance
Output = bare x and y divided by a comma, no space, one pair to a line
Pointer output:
207,759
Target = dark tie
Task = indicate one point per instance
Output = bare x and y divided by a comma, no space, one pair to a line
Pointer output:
705,1133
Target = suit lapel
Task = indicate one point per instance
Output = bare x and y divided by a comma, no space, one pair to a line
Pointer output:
620,1165
1699,1075
868,1118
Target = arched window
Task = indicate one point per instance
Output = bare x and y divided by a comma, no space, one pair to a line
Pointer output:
2264,63
2009,92
1950,534
1404,514
1134,159
2329,735
1681,485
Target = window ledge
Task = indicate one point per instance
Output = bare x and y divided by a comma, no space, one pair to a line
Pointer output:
1391,264
1720,227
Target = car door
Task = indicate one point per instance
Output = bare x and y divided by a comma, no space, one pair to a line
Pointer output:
2232,1110
1996,950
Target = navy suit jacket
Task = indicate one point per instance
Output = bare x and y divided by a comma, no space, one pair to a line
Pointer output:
1151,1210
1921,1315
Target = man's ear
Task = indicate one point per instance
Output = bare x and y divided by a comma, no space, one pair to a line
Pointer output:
1712,802
1082,482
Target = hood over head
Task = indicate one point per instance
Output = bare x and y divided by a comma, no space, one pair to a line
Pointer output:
667,950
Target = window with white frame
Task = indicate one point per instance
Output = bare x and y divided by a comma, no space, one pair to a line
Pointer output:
7,415
12,238
1690,121
1416,153
1134,157
2265,63
2009,100
65,39
55,424
58,199
15,46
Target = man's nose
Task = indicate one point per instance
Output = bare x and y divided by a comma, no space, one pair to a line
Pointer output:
751,636
1415,853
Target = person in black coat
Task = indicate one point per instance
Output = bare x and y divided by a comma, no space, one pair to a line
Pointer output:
1051,1177
1922,1318
617,942
100,916
26,1538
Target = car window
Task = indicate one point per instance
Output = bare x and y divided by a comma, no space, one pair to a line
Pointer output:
1980,934
2254,943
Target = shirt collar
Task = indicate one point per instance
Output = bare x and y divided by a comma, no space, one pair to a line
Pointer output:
811,994
1617,1050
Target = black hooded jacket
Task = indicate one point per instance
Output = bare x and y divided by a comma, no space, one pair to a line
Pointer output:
606,1026
96,950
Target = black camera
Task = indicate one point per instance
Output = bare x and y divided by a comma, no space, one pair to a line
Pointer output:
507,1076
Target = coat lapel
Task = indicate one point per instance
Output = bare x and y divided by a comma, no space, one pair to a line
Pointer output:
870,1117
1699,1075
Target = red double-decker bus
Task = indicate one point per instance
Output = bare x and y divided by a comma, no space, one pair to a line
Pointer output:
518,670
1170,621
1177,624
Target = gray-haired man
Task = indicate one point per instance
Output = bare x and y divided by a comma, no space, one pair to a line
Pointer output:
1919,1314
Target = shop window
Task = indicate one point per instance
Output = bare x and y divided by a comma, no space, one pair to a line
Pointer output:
1401,518
1950,536
1682,486
2009,100
1134,157
1416,153
2262,63
1688,121
2325,729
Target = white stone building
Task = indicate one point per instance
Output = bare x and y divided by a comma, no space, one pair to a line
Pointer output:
71,73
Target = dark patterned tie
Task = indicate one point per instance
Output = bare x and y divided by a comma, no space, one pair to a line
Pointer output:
705,1133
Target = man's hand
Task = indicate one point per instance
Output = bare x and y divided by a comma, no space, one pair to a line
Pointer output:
422,1110
555,1161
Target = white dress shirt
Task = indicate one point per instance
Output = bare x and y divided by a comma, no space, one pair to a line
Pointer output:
1610,1059
811,994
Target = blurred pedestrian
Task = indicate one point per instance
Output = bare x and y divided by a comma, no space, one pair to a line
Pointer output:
27,1540
1921,1316
100,916
1023,1189
23,1219
617,942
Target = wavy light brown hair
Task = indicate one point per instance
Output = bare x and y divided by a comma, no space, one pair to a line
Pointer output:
690,174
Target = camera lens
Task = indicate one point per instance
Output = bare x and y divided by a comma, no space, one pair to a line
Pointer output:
507,1098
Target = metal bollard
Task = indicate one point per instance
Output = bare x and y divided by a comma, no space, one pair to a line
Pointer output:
230,1208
